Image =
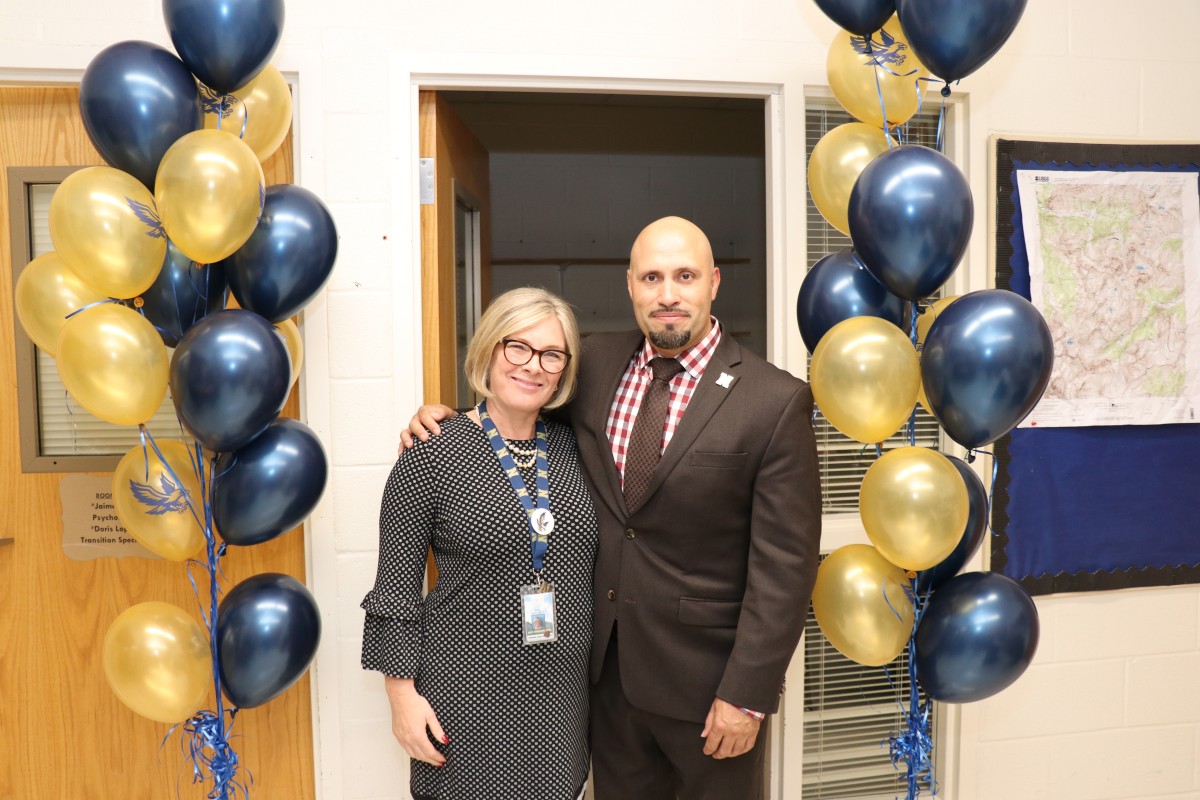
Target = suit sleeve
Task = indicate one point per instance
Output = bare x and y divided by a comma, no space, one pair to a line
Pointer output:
785,537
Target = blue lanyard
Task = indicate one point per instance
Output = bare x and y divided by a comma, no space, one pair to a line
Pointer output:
537,540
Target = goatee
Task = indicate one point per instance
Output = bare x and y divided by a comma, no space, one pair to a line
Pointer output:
669,339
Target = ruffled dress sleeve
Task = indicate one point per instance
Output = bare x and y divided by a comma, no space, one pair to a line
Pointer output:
407,516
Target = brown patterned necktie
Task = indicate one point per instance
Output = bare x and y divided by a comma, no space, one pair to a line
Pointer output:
645,441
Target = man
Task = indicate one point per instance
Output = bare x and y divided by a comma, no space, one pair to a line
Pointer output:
707,558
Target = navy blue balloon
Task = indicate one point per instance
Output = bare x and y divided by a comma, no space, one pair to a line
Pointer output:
986,362
288,258
910,216
977,521
953,38
224,43
978,634
136,99
863,17
269,486
230,377
838,288
182,295
268,629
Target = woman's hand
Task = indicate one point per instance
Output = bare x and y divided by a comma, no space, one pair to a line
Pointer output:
413,720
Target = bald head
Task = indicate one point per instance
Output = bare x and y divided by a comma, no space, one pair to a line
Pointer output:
676,233
672,282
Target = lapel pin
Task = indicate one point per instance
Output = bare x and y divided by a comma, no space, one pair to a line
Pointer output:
725,380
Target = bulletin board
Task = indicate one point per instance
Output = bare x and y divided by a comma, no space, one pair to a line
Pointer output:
1090,508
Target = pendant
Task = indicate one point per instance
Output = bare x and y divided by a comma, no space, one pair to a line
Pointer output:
542,521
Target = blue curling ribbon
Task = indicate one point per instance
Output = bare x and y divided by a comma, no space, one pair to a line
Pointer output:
991,492
222,104
865,43
879,92
206,743
206,737
862,451
93,305
914,743
145,435
912,336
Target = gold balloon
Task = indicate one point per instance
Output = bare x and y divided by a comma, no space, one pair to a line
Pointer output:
914,506
47,291
295,346
864,377
105,227
861,604
209,189
924,323
114,364
262,108
157,661
836,162
852,75
154,505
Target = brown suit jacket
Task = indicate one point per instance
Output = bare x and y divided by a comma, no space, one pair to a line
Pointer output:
711,578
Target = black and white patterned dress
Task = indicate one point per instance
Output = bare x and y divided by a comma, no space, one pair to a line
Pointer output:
516,715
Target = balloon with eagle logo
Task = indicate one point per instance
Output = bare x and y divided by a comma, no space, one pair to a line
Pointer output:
158,499
876,73
105,226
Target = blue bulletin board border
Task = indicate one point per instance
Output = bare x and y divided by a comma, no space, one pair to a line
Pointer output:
1096,508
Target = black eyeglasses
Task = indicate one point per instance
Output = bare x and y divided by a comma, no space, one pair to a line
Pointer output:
518,353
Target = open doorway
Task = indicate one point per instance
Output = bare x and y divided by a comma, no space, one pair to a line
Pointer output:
571,179
575,177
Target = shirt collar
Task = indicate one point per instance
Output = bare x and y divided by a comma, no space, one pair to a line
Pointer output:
695,359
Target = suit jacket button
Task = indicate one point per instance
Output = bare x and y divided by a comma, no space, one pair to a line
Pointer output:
612,594
630,533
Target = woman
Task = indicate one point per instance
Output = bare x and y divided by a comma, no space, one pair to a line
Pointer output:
487,675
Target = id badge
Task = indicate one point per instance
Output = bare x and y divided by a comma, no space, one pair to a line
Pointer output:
539,623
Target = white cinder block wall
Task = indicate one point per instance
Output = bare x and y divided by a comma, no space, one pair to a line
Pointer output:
1111,707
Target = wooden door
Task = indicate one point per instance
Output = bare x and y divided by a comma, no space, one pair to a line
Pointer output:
461,176
63,733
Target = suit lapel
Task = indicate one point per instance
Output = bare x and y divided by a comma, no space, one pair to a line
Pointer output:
714,388
610,366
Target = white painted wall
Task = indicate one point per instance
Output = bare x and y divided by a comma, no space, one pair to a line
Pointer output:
1109,710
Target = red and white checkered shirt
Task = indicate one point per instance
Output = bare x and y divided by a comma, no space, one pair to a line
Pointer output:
633,385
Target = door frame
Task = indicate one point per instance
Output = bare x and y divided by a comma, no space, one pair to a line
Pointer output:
785,187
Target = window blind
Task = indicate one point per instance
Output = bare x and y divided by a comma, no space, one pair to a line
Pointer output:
850,713
65,428
844,461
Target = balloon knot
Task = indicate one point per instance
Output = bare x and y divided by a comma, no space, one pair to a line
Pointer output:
946,90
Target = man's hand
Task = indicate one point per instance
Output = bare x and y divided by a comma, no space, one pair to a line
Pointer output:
423,424
728,731
413,720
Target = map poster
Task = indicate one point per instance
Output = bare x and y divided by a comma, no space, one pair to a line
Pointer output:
1114,267
1098,507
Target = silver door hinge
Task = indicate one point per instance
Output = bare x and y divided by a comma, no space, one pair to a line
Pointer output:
427,175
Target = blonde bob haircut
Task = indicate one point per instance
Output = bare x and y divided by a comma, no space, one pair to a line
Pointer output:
510,313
